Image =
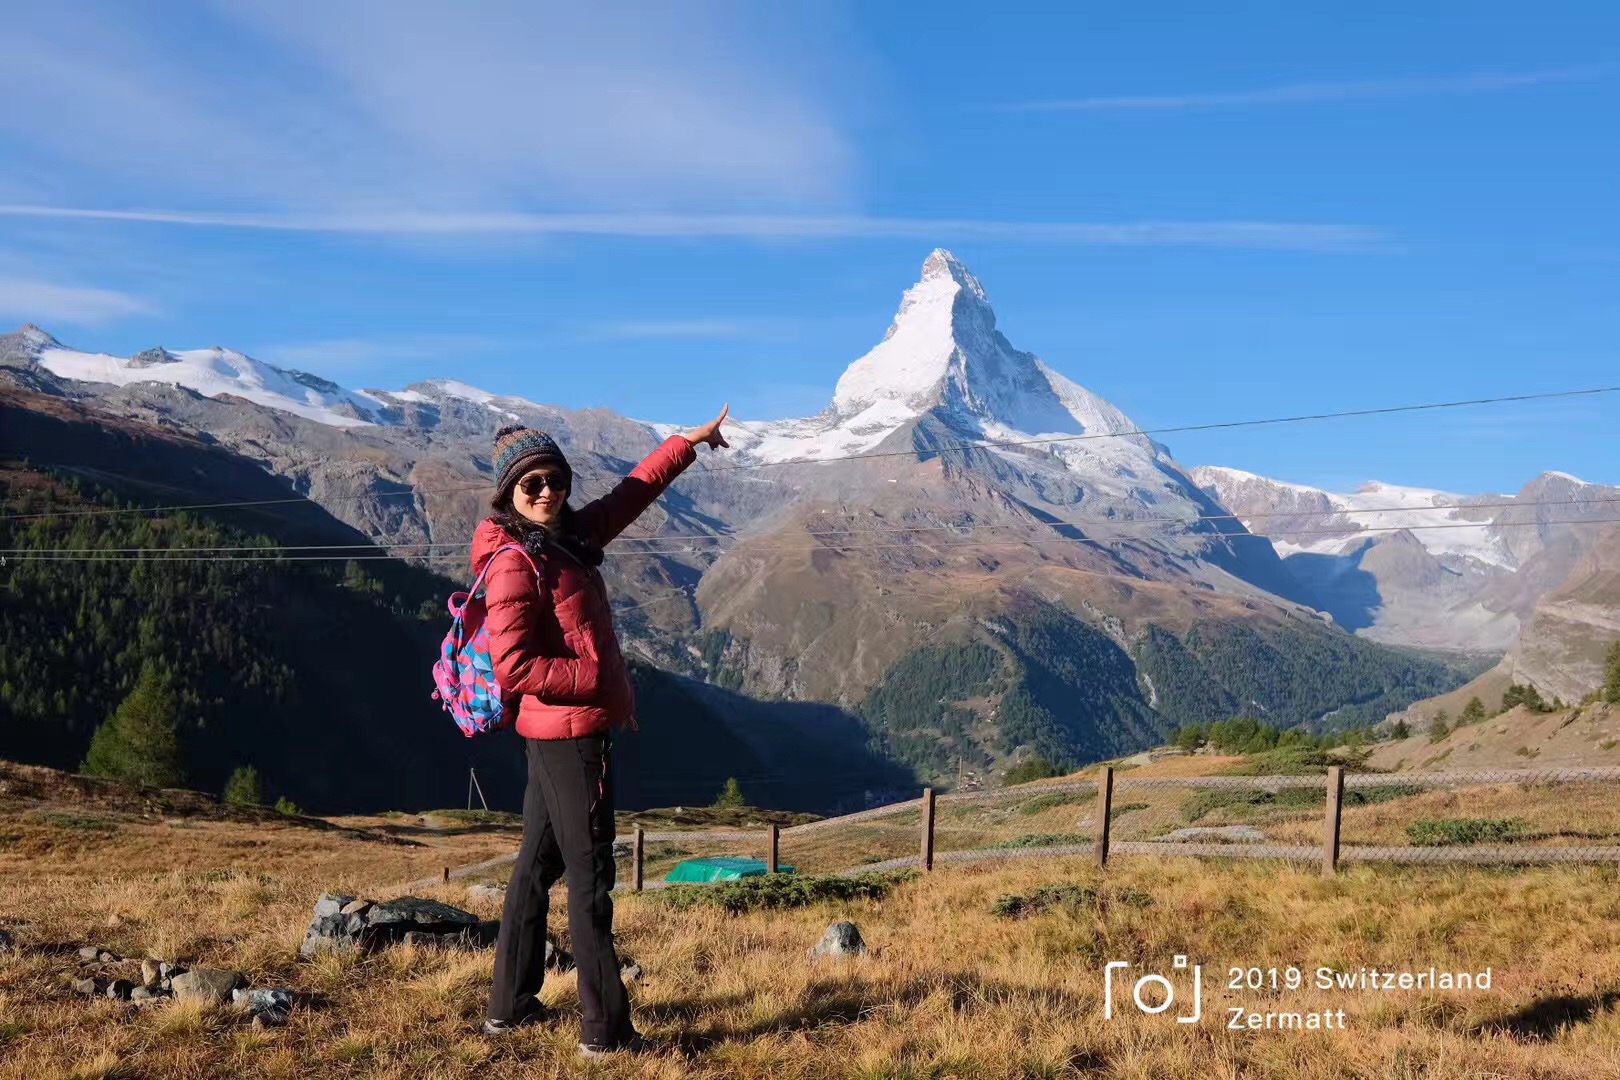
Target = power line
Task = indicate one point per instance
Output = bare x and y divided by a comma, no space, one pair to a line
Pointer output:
158,555
429,548
103,511
1387,410
1082,521
946,448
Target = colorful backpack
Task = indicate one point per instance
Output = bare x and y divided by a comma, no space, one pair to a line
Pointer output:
465,671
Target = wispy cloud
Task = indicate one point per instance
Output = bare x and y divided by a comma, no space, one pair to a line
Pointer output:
298,103
1296,236
352,355
1310,92
28,300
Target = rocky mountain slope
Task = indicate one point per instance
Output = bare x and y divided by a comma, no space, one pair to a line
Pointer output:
996,507
1564,643
1387,564
315,673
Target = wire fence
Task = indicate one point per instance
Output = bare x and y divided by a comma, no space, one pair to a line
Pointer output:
1559,816
1327,819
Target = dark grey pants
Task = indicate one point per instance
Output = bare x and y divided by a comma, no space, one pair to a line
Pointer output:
567,827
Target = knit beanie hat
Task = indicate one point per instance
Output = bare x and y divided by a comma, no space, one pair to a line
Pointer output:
519,449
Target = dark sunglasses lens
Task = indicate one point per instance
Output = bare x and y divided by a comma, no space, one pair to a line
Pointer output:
534,485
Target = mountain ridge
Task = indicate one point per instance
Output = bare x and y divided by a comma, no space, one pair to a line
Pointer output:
1012,509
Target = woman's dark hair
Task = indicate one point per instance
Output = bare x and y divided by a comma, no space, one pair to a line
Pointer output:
537,538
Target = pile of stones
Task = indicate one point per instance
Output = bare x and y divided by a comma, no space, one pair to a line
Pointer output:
344,922
146,982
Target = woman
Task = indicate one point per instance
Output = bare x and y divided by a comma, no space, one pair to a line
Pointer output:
552,640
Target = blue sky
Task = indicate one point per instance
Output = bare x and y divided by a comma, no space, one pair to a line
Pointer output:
1202,212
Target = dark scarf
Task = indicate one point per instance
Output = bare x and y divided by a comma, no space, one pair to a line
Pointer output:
540,541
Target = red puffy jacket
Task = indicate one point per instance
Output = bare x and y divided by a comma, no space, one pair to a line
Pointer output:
558,651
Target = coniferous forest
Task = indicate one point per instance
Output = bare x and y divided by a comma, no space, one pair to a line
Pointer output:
311,677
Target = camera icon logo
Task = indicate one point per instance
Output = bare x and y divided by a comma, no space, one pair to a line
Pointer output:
1151,987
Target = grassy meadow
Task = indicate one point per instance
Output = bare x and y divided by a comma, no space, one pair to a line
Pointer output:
951,988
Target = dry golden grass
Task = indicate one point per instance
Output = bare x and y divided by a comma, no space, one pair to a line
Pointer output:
951,990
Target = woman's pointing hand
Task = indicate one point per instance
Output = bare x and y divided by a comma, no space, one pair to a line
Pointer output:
710,433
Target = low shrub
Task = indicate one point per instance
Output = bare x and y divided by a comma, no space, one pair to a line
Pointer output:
1045,840
71,819
1378,793
1444,832
1035,768
1041,803
1209,800
475,817
777,891
1070,898
1299,761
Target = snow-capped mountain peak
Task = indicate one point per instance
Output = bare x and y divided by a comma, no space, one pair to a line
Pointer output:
37,338
944,352
212,372
1309,519
911,362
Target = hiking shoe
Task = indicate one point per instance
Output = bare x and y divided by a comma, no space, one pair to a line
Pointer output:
633,1044
538,1015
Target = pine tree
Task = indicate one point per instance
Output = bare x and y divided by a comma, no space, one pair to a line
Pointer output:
1473,712
139,743
730,796
1401,730
243,788
1438,729
1611,686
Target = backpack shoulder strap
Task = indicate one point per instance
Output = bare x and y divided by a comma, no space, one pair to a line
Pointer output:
478,584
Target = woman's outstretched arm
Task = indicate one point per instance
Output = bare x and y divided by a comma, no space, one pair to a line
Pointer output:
610,515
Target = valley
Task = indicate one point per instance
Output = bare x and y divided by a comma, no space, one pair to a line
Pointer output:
966,561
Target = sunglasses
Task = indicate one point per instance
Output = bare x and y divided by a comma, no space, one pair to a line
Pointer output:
533,484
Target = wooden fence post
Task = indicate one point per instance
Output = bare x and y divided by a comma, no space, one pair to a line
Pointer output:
776,848
928,828
638,857
1105,808
1330,839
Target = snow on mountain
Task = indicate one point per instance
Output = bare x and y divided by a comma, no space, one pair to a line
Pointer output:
1306,519
216,371
37,338
944,357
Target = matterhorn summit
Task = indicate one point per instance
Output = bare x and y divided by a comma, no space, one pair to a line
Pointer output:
943,352
945,374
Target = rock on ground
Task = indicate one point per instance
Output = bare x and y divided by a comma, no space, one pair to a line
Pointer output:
342,923
262,998
841,939
213,985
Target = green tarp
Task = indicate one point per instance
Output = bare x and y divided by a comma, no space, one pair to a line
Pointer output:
724,869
